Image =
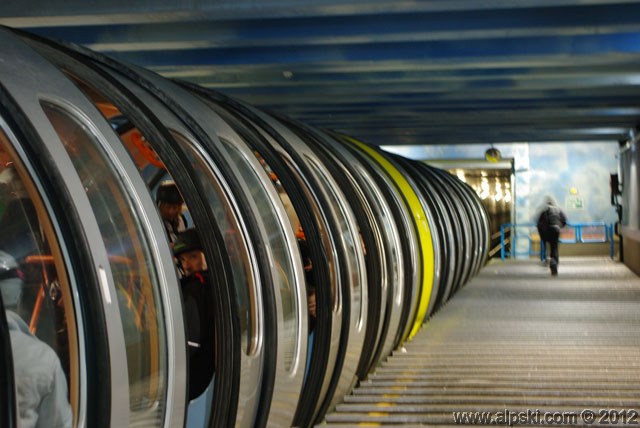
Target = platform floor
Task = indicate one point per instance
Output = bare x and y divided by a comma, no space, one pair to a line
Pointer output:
516,339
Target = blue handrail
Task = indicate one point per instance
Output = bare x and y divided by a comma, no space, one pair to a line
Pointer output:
608,236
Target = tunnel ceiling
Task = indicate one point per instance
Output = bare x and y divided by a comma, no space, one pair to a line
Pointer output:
389,72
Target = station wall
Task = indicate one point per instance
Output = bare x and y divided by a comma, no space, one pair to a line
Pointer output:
575,174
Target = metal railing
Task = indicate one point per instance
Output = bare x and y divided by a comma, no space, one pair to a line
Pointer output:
501,238
573,233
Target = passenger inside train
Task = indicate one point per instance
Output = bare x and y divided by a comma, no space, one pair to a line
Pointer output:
170,205
199,310
41,384
33,303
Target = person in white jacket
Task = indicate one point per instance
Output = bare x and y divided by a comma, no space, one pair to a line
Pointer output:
42,393
40,383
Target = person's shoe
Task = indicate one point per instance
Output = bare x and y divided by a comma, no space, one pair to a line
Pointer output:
554,269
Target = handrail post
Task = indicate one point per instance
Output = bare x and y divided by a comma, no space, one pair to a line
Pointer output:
579,233
610,233
502,242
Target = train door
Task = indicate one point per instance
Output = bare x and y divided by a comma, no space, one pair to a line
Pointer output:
115,235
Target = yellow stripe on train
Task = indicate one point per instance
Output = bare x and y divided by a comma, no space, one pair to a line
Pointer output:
422,225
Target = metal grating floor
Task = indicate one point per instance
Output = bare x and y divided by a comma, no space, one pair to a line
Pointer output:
516,343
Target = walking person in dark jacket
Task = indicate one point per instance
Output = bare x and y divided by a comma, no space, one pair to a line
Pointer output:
550,221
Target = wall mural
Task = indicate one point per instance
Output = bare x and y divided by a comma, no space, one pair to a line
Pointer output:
575,174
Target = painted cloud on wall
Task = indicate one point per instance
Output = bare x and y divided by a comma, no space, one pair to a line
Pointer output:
575,174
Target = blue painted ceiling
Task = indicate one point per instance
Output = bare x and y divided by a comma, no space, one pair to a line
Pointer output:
388,72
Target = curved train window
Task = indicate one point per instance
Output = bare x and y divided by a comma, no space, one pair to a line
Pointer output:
352,265
242,264
37,300
130,262
277,242
282,193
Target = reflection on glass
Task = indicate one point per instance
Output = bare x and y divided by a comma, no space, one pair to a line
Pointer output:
389,230
37,301
233,232
351,264
284,270
303,244
131,265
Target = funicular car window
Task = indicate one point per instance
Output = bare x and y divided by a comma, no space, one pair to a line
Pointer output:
37,300
277,243
227,216
130,262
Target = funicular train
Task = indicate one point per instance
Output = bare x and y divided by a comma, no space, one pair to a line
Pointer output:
323,254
